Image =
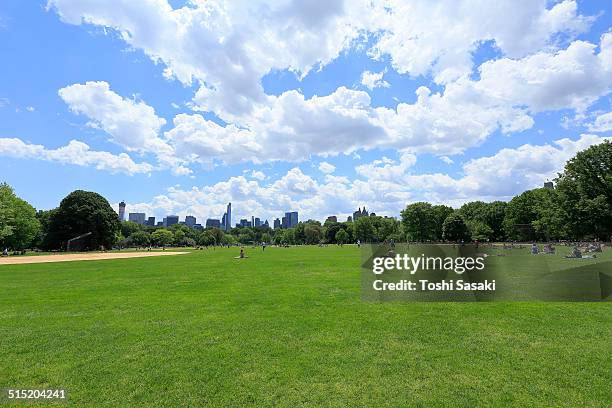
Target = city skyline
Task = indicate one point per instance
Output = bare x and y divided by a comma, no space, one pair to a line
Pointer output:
320,110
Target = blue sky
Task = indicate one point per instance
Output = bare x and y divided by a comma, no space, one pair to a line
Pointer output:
319,107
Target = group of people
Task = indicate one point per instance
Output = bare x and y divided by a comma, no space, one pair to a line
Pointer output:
548,249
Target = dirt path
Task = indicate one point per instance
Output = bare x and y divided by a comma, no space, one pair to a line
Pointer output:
96,256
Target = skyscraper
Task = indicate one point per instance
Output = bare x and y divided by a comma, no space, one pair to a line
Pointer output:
121,211
277,223
190,221
213,223
171,220
151,222
228,220
292,218
138,218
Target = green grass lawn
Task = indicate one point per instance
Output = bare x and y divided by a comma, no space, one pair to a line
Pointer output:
286,327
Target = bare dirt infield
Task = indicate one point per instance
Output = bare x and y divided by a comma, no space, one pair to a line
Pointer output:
81,257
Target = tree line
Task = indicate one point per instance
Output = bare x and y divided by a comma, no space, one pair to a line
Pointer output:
579,206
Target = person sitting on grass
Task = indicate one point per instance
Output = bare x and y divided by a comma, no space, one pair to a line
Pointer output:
534,249
5,252
575,253
549,249
242,254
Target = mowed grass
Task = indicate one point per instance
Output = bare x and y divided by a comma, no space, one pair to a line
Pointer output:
285,327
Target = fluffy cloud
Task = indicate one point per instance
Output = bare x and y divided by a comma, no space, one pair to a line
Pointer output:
259,175
603,123
131,124
421,38
229,46
385,186
75,152
373,80
326,167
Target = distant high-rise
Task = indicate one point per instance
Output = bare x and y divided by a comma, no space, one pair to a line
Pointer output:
266,224
290,219
213,223
190,221
138,218
226,220
171,220
257,222
277,223
121,211
332,218
151,222
360,213
549,185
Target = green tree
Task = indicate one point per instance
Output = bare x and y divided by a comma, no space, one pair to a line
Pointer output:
479,231
162,237
265,237
206,238
341,237
313,233
440,213
585,192
130,227
364,229
217,235
495,213
83,212
454,227
18,223
229,239
140,238
419,221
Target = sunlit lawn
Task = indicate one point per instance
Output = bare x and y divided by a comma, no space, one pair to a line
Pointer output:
285,327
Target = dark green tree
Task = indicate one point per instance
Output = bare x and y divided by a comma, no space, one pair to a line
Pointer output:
454,227
440,213
79,213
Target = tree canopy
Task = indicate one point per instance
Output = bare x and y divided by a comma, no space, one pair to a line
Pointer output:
18,223
83,212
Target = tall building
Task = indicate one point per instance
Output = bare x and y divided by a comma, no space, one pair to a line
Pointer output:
226,221
277,223
121,211
360,213
549,185
190,221
257,222
151,222
171,220
138,218
290,219
266,224
332,218
213,223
